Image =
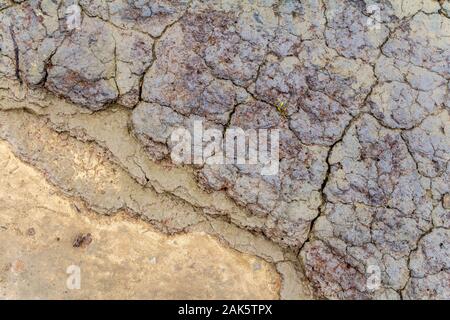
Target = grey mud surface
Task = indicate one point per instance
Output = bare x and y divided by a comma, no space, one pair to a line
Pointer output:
86,117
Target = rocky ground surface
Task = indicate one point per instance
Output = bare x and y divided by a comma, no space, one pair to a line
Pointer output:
364,177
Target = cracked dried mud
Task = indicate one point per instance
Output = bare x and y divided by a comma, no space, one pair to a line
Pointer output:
88,180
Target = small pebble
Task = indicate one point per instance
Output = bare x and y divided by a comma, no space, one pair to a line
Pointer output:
31,232
82,240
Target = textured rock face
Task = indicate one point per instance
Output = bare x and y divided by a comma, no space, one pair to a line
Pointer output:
359,91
